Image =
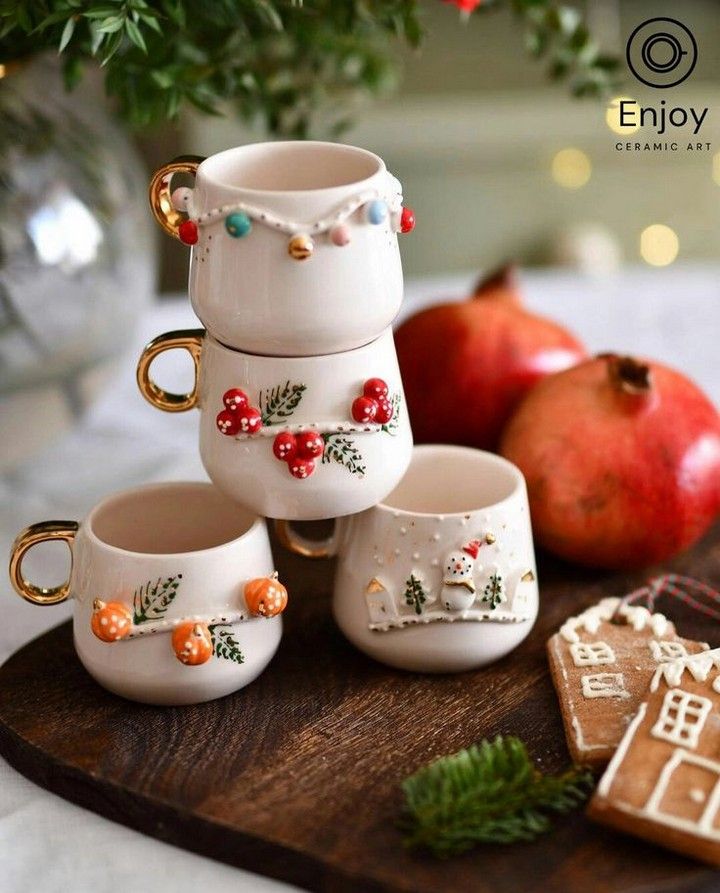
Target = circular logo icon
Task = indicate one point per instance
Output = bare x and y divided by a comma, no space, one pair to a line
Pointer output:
661,52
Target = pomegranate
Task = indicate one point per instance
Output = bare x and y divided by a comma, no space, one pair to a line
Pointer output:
466,365
622,461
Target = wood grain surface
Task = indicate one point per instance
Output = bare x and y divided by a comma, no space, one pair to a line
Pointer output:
297,776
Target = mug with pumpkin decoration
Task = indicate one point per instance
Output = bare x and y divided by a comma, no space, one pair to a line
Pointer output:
301,438
175,596
440,577
294,244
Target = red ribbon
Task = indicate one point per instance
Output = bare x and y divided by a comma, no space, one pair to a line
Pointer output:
682,588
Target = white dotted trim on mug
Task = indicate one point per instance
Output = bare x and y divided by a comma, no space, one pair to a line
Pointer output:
239,217
442,617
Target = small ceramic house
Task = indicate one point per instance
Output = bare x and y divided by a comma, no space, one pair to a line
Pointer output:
602,662
380,603
663,783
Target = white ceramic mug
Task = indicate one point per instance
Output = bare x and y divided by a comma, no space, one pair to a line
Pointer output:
250,404
174,596
441,576
294,244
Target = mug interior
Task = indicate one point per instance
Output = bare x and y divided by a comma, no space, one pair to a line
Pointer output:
291,166
446,480
169,519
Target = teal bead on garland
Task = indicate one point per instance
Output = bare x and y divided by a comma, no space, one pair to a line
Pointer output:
238,224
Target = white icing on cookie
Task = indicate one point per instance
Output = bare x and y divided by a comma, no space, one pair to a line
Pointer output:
666,651
619,755
637,616
604,685
580,741
591,654
703,827
698,665
681,718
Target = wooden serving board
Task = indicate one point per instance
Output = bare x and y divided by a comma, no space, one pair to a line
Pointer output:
297,776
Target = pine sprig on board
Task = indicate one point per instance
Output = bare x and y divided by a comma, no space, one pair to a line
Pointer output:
489,793
280,402
342,450
151,601
224,644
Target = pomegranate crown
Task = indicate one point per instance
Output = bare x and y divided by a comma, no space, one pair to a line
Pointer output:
472,548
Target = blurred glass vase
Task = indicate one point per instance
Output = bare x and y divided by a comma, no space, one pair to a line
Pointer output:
77,258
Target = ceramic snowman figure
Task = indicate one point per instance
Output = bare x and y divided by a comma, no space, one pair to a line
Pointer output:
458,586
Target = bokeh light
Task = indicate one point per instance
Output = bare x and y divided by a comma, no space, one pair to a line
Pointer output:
612,116
659,245
716,168
571,168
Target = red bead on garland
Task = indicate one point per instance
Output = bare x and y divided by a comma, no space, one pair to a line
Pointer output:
407,220
188,232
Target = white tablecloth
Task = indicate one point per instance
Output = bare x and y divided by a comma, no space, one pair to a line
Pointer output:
47,844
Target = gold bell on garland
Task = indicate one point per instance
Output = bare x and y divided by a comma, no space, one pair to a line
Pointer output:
301,247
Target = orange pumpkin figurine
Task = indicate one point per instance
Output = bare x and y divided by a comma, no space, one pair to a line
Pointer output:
192,643
110,622
266,596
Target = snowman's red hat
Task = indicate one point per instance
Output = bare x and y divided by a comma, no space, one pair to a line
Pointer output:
472,548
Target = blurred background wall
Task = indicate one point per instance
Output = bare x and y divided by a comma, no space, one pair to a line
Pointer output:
479,137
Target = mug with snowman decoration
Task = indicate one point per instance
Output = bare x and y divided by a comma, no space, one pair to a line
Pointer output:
294,244
175,596
301,438
441,576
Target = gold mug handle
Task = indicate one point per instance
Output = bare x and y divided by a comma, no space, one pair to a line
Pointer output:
190,340
302,545
160,195
45,531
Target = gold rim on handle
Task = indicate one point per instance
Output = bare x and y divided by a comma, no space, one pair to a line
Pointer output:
45,531
160,194
190,340
301,545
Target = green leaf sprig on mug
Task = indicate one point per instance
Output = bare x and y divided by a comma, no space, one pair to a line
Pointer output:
277,60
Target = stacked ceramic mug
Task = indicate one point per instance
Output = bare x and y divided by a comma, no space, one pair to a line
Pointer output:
295,273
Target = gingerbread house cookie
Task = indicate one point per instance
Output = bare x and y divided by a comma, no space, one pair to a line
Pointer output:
601,663
663,783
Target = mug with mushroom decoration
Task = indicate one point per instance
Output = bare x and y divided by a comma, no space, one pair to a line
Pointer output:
293,437
176,599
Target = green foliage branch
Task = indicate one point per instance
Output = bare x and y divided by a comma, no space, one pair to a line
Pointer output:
225,644
277,60
151,601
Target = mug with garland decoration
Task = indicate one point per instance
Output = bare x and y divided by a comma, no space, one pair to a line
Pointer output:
294,244
440,577
176,600
302,438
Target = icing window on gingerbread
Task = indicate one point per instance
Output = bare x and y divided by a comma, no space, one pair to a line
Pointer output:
591,654
665,651
681,718
604,685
